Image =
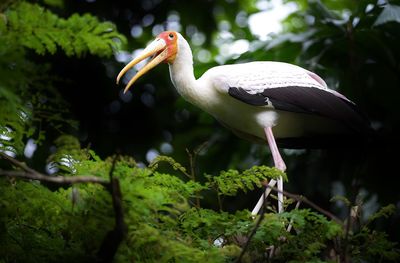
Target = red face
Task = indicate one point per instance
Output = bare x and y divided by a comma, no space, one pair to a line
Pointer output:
159,51
171,39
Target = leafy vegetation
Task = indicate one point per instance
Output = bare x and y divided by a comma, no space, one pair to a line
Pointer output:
28,94
162,223
178,212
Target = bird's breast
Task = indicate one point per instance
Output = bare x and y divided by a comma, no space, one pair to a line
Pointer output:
249,121
240,116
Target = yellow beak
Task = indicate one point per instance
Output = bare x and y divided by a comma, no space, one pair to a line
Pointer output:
153,48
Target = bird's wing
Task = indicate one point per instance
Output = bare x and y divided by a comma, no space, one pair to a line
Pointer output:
287,87
255,77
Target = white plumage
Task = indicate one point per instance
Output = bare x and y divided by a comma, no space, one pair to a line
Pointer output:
259,101
210,93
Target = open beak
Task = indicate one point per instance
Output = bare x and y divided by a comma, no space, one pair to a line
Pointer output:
158,48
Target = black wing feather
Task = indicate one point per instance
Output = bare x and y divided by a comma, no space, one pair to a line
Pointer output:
308,100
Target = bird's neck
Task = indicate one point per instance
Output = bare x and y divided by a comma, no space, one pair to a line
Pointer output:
183,78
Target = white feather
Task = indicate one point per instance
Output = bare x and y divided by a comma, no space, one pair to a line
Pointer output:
254,77
210,93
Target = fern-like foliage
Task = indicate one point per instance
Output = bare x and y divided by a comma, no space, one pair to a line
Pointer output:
167,159
229,182
41,30
162,223
28,97
385,212
67,155
13,120
52,227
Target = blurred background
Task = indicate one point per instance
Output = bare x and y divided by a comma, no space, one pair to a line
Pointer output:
353,45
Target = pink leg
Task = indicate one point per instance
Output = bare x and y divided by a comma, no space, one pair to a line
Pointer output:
278,161
280,164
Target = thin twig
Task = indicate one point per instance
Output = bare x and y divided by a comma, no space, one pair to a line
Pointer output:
192,158
54,179
114,162
192,163
219,200
305,200
18,163
246,245
114,237
29,173
349,222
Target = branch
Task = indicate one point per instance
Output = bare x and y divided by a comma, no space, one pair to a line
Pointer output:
17,163
192,163
253,231
114,237
301,198
54,179
32,174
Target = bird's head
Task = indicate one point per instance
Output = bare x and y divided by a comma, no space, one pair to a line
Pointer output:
163,49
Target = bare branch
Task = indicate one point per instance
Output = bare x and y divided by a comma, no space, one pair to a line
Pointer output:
17,163
303,199
192,162
114,237
54,179
31,174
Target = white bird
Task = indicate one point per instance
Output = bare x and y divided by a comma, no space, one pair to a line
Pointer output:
274,101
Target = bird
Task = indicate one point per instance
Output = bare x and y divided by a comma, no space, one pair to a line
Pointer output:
277,103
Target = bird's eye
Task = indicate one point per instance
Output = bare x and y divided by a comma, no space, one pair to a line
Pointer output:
171,36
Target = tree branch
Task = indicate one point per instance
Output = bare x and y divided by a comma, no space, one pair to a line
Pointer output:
17,163
54,179
114,237
303,199
31,174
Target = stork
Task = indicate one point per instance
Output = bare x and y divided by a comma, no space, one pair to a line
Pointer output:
277,102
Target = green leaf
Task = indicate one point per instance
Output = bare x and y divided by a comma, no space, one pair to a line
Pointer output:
385,212
229,182
174,164
54,3
339,198
43,31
